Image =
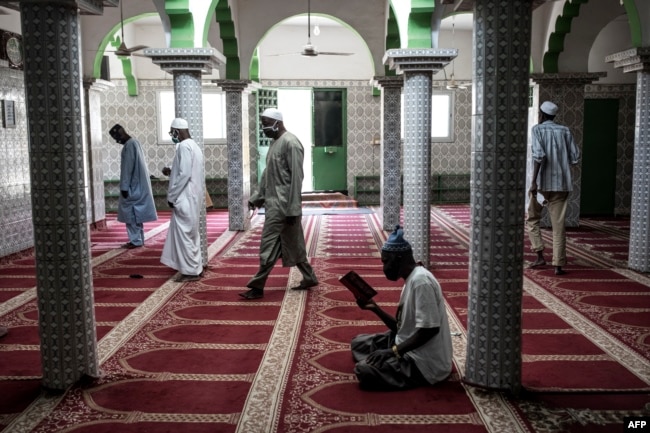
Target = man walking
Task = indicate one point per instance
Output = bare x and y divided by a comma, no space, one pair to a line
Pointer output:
554,152
135,204
280,195
182,250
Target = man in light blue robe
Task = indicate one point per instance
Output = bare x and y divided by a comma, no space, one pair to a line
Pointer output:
136,205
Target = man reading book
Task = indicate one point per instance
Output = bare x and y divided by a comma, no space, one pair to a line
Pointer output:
416,349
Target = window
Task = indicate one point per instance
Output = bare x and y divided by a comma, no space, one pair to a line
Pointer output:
214,116
442,116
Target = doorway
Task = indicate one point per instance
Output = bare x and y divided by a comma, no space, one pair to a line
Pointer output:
598,186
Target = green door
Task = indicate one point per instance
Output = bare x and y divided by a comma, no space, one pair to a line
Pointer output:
598,187
329,154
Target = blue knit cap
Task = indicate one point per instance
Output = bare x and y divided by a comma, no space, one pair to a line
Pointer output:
396,241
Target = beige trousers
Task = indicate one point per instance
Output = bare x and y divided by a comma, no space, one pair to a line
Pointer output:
557,205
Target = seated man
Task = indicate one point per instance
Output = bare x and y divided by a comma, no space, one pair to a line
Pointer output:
416,350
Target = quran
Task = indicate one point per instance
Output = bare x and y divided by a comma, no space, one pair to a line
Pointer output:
358,286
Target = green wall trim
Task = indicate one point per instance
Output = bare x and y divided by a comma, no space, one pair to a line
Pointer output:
181,23
228,35
392,37
127,69
207,21
419,24
635,23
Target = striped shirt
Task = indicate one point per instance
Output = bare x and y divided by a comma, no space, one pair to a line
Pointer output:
553,147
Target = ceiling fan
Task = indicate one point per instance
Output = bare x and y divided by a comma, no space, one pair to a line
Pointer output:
452,84
122,50
309,50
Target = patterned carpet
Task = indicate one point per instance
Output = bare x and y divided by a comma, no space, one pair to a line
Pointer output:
195,357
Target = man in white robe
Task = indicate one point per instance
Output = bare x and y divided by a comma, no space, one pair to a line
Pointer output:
182,250
136,205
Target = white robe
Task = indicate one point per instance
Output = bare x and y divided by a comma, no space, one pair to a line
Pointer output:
182,250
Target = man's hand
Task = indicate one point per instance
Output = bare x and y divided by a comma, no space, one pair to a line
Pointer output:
171,205
533,188
125,194
367,304
251,206
291,220
378,357
166,171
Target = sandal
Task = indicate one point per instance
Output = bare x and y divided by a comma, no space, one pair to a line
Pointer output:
252,294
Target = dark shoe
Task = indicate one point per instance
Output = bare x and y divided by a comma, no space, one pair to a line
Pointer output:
3,331
252,294
130,246
305,285
559,271
187,278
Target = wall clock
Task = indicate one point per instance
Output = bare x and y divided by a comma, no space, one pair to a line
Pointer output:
14,49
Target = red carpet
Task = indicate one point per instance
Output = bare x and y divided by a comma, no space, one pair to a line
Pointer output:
197,358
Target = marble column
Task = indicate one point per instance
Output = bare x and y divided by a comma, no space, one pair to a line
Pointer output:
186,66
499,129
95,139
237,137
60,191
391,150
418,66
567,90
637,60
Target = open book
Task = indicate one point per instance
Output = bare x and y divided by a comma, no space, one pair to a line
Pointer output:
358,286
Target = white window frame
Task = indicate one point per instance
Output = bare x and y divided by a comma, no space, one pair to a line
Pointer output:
438,126
214,103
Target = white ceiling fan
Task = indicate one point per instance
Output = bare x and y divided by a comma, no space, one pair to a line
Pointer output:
122,50
309,50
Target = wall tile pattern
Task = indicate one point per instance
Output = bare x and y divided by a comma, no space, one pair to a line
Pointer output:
497,184
60,187
16,230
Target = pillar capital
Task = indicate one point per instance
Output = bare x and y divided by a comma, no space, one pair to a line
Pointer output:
563,78
419,59
237,85
384,81
185,59
98,84
632,60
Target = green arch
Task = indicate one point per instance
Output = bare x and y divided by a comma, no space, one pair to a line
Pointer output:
181,23
563,28
114,41
419,24
392,37
228,35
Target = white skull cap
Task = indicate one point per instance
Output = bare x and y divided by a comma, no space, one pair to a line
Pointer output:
179,123
549,108
272,113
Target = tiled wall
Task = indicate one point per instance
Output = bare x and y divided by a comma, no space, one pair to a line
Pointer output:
16,232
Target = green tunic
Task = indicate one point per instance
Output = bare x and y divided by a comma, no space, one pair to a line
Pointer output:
279,194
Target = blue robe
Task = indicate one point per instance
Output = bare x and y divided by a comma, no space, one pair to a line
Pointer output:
139,206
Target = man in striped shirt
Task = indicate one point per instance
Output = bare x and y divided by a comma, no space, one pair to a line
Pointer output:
554,152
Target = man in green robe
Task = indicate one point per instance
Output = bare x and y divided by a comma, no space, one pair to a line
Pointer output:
280,195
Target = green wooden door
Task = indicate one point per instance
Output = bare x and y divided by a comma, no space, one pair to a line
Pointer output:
598,187
329,154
